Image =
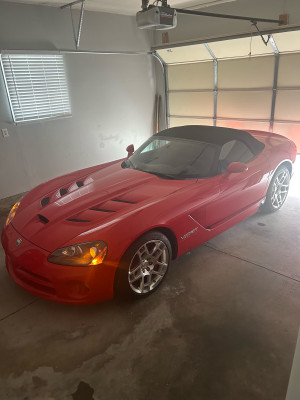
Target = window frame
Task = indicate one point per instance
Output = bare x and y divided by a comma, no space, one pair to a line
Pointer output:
45,98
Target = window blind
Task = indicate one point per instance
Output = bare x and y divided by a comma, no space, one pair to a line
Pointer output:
36,86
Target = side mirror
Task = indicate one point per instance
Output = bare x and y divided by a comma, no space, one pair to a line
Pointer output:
236,167
130,150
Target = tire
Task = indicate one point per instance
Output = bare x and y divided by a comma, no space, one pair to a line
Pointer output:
143,266
277,191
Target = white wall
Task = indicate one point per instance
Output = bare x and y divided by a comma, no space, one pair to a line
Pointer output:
112,96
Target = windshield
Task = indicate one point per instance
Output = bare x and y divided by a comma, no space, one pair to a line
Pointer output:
173,158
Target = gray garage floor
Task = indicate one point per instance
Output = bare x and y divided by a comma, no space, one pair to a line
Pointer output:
222,327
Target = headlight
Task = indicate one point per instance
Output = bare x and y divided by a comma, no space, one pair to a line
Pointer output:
82,254
12,213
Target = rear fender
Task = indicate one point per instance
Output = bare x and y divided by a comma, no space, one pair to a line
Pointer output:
287,162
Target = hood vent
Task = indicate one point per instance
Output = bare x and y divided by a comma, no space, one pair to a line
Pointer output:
79,183
78,220
103,210
124,201
45,201
43,219
62,192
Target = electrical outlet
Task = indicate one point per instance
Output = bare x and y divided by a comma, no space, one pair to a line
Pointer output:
5,133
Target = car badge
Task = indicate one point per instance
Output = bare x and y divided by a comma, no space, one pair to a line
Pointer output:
18,242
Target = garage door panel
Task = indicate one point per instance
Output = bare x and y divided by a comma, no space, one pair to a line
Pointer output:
190,121
251,105
287,41
237,48
246,125
287,105
191,76
288,72
243,73
292,131
185,54
191,104
246,88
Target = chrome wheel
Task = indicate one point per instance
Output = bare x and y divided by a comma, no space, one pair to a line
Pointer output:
148,266
280,189
277,190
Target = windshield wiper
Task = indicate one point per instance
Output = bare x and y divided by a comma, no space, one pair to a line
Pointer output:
161,175
127,164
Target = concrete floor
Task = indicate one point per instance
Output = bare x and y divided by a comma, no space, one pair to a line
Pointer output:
223,326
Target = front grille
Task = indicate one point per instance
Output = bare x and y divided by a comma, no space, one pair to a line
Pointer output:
38,286
34,275
31,279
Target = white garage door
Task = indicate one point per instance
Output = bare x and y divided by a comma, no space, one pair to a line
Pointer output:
239,83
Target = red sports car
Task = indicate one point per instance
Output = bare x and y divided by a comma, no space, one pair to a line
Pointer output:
114,228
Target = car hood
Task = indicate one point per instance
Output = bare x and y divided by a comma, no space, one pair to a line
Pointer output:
76,204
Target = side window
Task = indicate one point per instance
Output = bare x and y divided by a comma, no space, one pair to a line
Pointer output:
205,164
234,151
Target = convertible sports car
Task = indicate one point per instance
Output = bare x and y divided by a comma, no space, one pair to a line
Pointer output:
114,228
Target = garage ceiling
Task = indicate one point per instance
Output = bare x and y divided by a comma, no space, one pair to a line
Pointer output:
126,7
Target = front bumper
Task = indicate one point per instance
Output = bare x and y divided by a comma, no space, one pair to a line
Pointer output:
28,266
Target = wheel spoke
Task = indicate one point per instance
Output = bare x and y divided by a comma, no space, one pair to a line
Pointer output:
159,252
142,284
135,278
275,200
142,252
139,254
132,271
282,178
159,273
161,263
147,251
155,249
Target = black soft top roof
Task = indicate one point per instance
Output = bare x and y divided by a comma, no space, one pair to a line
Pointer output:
213,134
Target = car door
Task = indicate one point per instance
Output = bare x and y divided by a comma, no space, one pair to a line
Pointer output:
237,190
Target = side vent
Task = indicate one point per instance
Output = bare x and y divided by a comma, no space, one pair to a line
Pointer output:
79,183
124,201
43,219
62,192
102,209
45,201
78,220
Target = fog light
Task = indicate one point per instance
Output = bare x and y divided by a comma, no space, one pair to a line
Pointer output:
77,289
